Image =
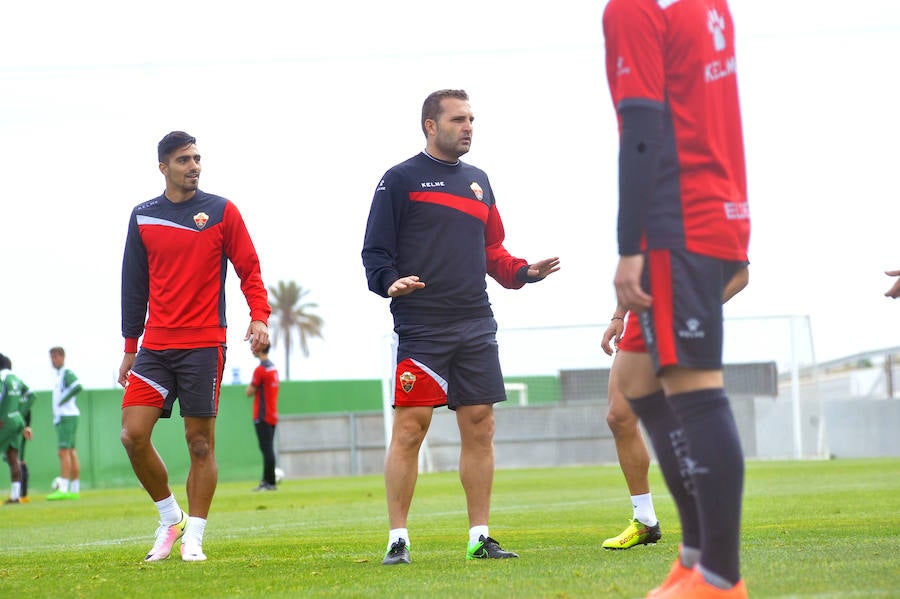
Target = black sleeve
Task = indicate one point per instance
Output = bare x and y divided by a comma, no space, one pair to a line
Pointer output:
639,149
379,252
135,283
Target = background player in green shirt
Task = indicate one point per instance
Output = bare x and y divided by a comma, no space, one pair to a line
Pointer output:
12,425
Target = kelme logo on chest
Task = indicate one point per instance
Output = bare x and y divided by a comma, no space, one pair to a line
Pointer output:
200,219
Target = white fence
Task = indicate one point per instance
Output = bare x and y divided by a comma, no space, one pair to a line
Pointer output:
573,352
785,404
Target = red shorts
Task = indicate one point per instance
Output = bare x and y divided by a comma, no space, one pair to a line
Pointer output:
632,340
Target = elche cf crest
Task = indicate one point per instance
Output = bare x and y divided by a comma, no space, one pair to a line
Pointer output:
200,219
407,380
476,189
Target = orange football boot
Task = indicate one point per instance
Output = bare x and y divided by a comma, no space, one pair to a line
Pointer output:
695,587
677,574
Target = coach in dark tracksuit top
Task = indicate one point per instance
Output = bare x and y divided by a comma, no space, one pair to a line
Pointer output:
433,234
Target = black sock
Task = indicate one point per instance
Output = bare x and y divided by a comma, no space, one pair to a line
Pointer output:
666,435
24,492
717,469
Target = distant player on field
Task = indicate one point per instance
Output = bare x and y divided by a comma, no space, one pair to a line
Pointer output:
433,234
26,402
683,233
173,274
263,388
12,425
65,418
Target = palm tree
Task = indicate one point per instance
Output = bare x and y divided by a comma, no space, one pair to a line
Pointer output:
290,315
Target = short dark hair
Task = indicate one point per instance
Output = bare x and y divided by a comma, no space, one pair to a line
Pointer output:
431,108
58,350
264,349
5,363
173,141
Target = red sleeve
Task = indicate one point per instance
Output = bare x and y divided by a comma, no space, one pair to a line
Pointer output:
258,374
634,32
240,251
500,264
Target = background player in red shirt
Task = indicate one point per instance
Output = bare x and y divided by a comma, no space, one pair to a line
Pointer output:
263,388
683,233
173,275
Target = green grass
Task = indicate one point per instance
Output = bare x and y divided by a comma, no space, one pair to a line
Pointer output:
811,529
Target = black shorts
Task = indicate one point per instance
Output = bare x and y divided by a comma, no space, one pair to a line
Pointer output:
684,325
193,376
455,365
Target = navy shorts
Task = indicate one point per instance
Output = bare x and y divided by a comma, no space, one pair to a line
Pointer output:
684,325
193,376
456,364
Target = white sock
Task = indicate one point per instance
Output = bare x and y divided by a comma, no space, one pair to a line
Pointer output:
396,534
476,532
15,491
75,486
193,532
63,485
643,509
169,512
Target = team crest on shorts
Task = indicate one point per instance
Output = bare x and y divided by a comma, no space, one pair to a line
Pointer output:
200,219
407,380
476,188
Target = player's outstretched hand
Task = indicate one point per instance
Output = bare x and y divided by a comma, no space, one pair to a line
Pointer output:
544,268
894,291
405,286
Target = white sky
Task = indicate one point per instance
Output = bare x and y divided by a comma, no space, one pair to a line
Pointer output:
300,107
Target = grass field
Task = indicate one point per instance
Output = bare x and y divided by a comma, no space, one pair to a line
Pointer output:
811,529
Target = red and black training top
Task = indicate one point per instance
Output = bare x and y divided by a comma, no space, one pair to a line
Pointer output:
438,221
673,78
173,272
265,399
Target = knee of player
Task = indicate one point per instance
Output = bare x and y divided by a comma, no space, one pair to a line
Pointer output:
479,430
409,435
621,421
129,441
199,447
